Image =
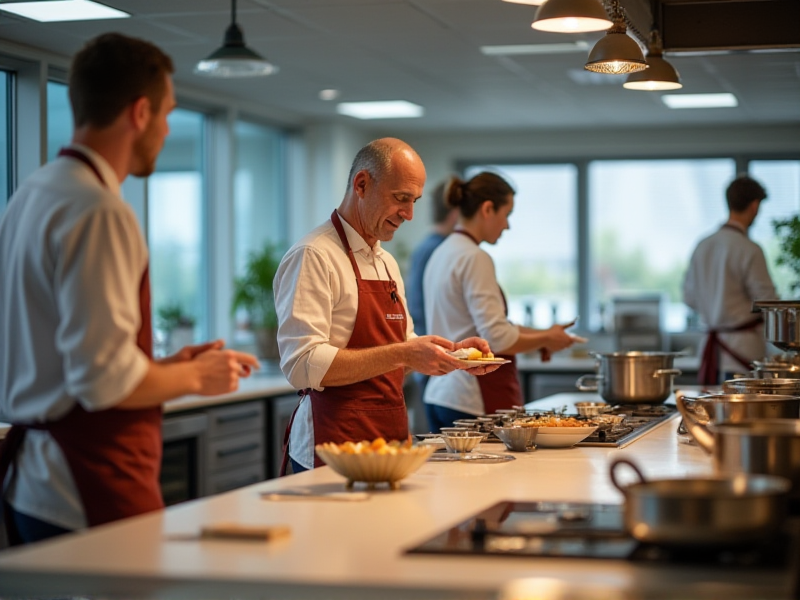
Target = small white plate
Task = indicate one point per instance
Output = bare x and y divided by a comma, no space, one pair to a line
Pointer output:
562,437
485,361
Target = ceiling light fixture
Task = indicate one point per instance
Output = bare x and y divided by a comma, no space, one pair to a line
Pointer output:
616,52
391,109
571,16
724,100
63,10
519,49
659,76
234,59
530,2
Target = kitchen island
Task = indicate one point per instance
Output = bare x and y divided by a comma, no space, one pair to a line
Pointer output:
357,550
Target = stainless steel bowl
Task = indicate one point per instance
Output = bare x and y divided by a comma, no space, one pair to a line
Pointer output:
591,409
517,439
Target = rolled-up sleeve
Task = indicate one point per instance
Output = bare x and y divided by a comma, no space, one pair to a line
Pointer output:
304,303
485,302
99,271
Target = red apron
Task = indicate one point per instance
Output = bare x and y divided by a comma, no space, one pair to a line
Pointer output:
500,388
709,363
114,455
375,407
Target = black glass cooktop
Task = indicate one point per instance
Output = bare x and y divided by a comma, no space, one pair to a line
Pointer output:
577,530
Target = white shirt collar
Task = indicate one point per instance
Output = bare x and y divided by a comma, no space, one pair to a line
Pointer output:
738,226
358,243
109,176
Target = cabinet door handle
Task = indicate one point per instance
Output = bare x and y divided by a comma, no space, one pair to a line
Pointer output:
239,450
239,417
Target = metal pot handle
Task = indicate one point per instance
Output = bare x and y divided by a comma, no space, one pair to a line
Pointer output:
612,472
588,388
697,430
662,372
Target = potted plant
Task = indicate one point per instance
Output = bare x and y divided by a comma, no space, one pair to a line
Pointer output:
252,292
177,325
788,233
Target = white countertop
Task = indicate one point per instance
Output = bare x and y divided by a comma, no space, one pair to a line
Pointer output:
356,550
256,386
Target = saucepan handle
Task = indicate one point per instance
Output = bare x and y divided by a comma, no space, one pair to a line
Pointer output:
612,472
663,372
582,386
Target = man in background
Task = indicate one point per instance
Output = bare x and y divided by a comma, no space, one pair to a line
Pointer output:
77,377
727,272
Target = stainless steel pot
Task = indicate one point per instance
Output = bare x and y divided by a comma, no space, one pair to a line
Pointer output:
784,387
775,370
781,322
710,510
632,377
737,407
762,446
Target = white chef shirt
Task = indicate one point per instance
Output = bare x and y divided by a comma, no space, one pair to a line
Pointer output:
72,257
726,274
316,298
463,299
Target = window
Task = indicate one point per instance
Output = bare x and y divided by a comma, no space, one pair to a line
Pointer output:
259,191
259,211
536,259
645,218
176,222
59,118
781,179
5,139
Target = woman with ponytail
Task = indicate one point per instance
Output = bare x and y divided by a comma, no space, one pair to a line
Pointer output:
464,299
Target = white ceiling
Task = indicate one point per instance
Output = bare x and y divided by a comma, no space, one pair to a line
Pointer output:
427,52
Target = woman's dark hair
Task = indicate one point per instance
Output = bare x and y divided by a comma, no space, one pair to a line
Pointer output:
111,72
468,196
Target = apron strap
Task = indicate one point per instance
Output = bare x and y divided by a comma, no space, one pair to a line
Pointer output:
287,435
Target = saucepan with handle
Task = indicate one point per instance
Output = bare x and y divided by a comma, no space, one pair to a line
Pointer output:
632,377
701,511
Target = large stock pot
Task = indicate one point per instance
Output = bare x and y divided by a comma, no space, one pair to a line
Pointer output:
632,377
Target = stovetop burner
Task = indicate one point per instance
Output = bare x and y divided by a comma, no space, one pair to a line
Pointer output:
640,419
580,530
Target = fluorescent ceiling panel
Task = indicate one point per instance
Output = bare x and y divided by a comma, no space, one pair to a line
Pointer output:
512,50
63,10
393,109
700,100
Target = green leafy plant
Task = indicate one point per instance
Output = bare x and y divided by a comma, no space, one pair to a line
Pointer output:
253,290
171,316
788,233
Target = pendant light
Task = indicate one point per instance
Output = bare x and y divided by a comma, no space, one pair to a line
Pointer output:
616,53
660,75
234,59
571,16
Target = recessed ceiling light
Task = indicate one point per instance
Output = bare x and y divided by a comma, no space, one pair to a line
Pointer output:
63,10
329,94
700,100
559,48
392,109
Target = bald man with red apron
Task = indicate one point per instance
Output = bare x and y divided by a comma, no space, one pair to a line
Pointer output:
367,409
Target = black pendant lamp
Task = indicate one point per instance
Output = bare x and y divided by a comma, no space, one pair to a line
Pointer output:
234,59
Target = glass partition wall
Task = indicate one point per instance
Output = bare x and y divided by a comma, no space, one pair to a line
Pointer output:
6,166
629,235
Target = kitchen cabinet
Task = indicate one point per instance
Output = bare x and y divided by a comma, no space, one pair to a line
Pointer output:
235,453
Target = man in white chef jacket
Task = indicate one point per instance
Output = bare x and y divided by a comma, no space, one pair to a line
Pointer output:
727,272
77,377
344,335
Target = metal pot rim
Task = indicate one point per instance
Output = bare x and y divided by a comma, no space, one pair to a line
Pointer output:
748,397
758,427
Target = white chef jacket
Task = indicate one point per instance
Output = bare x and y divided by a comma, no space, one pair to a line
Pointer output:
726,274
463,299
316,298
72,257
